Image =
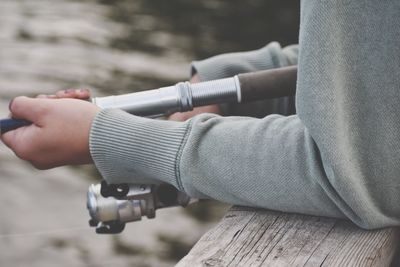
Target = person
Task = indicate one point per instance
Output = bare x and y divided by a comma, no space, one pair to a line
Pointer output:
338,156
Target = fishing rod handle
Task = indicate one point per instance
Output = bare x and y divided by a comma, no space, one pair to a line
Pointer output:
7,125
185,96
268,84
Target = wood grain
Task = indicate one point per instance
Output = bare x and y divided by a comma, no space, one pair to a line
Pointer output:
251,237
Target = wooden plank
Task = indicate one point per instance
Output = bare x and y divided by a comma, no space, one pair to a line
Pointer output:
250,237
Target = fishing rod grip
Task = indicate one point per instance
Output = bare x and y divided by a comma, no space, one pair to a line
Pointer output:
184,96
7,125
268,84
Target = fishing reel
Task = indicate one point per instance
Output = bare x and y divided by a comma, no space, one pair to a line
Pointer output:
111,206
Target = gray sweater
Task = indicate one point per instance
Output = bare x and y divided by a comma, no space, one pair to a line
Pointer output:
338,157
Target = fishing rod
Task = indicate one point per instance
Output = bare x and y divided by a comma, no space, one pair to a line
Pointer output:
111,206
185,96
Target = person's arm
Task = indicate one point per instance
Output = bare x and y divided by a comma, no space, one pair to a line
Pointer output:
271,163
338,157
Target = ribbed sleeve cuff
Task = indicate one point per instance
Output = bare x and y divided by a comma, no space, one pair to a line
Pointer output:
227,65
131,149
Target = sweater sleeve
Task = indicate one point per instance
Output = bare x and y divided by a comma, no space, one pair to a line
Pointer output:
227,65
230,64
270,163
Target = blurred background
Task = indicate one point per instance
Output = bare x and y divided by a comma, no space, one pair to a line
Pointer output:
111,47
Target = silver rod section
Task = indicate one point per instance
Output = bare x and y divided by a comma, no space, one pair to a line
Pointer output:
216,92
181,97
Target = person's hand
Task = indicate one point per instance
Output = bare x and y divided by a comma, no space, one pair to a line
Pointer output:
83,94
183,116
59,134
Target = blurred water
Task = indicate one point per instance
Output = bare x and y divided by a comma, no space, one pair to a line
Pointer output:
110,46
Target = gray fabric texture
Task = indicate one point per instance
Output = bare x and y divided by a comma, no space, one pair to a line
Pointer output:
338,157
227,65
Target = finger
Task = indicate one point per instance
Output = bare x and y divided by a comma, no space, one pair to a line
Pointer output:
195,79
83,94
199,110
27,108
19,141
69,93
8,138
47,96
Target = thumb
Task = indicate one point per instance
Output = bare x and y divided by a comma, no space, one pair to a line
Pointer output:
9,139
27,108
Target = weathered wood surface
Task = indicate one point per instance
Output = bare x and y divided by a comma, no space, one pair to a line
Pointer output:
250,237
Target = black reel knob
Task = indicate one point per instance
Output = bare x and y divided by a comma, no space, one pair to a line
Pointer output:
93,223
110,228
167,194
119,191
